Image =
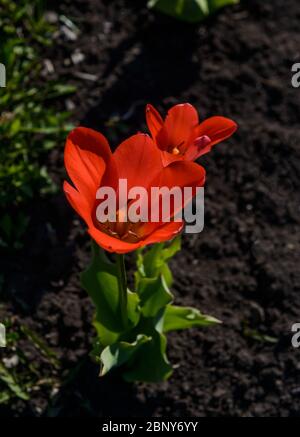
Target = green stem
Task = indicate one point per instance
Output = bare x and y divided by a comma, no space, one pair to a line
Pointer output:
122,282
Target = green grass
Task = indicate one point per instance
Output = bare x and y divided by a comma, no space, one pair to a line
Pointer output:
20,375
30,125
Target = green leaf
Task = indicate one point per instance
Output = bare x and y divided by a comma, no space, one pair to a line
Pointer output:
154,294
101,283
5,396
133,308
153,263
150,363
61,90
119,353
203,5
177,318
258,336
10,381
189,10
105,336
158,255
41,345
214,5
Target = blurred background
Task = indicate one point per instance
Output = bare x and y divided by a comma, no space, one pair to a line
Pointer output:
97,63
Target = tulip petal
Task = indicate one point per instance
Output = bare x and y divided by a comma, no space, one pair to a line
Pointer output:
112,244
177,127
164,233
78,202
154,121
217,129
86,154
138,160
180,174
198,147
168,158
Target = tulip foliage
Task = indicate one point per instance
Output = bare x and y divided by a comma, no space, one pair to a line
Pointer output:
137,342
131,324
190,10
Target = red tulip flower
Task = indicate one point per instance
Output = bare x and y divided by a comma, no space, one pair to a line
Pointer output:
91,164
128,199
181,137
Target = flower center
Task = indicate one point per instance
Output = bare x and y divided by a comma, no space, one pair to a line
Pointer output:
176,150
122,229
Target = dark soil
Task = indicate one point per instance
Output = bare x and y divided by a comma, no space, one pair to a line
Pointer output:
243,268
